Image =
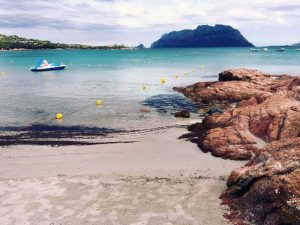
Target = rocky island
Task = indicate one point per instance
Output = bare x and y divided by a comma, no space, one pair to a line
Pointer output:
256,116
140,46
14,42
203,36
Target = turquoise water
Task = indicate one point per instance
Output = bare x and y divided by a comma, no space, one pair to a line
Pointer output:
116,77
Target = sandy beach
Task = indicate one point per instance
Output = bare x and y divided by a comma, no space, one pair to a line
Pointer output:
158,179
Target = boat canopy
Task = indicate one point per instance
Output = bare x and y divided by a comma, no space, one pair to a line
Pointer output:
40,62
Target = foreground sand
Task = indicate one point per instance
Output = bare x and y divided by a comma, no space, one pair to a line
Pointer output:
157,180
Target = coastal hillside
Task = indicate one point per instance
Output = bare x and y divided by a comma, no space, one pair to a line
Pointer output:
297,44
16,42
203,36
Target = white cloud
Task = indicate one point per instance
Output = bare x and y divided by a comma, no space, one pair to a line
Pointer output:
146,19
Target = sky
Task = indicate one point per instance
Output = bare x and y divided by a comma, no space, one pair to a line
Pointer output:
131,22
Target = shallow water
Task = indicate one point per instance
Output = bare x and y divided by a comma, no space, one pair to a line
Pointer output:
116,77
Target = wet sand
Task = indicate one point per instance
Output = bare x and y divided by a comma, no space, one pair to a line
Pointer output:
157,179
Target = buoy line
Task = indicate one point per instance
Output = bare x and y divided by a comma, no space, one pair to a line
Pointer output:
60,115
57,117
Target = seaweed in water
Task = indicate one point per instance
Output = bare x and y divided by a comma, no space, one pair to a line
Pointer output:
170,103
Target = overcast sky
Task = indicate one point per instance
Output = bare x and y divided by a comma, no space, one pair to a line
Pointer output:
262,22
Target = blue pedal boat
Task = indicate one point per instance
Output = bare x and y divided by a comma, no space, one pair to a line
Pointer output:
43,65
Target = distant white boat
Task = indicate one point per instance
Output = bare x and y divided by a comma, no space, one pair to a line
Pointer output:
253,50
265,49
280,49
298,49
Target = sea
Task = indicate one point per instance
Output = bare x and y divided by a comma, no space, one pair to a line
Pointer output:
126,81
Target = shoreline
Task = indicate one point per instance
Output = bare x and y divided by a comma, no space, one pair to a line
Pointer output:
61,49
57,136
152,147
159,179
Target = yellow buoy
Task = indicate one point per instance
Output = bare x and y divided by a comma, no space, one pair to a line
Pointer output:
59,116
99,102
144,87
176,76
186,74
163,80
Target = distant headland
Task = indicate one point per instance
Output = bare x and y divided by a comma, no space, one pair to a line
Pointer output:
203,36
14,42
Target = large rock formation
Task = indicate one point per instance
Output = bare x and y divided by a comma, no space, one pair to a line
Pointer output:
267,110
267,190
236,85
261,123
203,36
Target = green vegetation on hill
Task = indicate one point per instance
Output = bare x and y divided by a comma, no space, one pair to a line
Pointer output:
15,42
204,36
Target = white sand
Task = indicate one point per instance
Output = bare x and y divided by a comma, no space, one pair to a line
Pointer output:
158,180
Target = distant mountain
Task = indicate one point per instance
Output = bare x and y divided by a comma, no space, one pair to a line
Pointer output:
203,36
297,44
15,42
140,46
